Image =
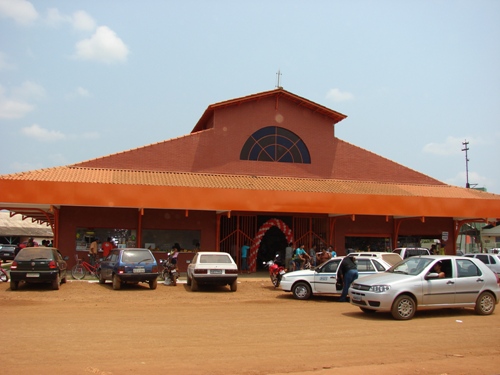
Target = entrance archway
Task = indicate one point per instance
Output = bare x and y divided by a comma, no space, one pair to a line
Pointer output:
254,249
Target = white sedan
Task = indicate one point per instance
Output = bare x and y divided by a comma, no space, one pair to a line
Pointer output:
322,280
212,268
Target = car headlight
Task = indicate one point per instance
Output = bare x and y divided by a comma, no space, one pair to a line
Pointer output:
379,288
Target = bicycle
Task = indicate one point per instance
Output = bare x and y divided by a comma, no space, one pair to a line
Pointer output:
82,268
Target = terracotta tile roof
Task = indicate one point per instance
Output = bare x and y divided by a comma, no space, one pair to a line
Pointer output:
261,183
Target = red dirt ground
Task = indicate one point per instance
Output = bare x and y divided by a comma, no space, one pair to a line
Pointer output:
87,328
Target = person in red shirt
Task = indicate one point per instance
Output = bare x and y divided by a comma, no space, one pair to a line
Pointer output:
107,247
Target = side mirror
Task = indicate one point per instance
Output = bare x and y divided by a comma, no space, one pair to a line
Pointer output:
431,275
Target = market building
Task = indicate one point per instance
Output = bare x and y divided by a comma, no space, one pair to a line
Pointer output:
266,169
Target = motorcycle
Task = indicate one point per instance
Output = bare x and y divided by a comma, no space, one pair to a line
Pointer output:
4,276
276,271
169,272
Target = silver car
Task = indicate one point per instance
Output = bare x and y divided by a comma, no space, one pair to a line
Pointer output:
492,261
415,284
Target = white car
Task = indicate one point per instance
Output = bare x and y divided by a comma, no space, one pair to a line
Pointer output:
212,268
406,252
391,258
428,282
492,261
322,280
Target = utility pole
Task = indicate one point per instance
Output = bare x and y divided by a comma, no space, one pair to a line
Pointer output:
278,79
466,148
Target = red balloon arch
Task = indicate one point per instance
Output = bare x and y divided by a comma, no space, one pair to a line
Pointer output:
254,249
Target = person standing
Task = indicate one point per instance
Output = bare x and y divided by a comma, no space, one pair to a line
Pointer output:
244,255
332,252
93,251
348,272
107,246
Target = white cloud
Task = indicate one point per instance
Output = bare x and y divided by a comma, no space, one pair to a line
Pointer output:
83,21
17,104
104,46
79,20
339,96
11,109
40,134
450,146
21,11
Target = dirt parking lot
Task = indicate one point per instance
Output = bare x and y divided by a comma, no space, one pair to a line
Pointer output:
87,328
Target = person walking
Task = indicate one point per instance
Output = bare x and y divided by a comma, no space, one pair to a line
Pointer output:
348,272
244,255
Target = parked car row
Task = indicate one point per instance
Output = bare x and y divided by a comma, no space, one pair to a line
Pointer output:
121,266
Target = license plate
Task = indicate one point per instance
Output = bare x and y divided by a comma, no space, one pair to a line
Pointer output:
139,270
356,297
32,274
215,272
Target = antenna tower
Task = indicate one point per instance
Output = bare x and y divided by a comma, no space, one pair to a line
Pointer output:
278,80
466,148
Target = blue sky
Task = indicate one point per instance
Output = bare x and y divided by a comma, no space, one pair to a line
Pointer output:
84,79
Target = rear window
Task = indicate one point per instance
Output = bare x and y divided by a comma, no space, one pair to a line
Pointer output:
137,256
29,253
215,258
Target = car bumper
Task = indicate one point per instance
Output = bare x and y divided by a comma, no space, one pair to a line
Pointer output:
7,256
34,276
286,285
370,300
215,280
137,277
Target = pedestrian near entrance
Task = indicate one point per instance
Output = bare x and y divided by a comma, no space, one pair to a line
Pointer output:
93,251
348,272
244,255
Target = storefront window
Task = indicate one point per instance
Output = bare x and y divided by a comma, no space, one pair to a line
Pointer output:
163,240
120,237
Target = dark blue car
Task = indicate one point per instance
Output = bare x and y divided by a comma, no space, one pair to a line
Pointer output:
129,265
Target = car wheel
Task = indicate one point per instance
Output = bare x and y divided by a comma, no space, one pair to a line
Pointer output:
302,290
56,282
368,311
102,280
194,285
14,285
188,281
403,308
485,304
234,285
116,282
153,283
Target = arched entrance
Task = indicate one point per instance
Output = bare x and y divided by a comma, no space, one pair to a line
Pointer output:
254,249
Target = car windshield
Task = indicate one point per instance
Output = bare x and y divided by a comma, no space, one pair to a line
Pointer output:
215,258
137,256
411,266
31,253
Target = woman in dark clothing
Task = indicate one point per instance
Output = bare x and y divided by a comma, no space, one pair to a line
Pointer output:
348,272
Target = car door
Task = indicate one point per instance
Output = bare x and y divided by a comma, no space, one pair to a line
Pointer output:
440,291
326,277
469,282
108,264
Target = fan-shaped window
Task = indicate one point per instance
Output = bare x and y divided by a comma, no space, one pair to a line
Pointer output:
273,143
